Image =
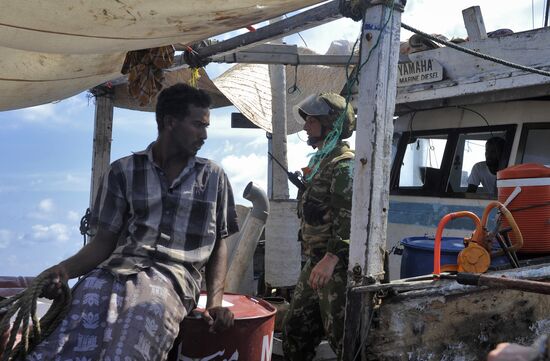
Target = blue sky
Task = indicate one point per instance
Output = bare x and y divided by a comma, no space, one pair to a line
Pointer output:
45,151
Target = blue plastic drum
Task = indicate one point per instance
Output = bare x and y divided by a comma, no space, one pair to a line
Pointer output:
418,255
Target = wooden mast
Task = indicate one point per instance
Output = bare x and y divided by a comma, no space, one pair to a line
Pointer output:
375,109
103,130
278,142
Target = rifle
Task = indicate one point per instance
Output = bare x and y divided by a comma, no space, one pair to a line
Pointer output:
292,177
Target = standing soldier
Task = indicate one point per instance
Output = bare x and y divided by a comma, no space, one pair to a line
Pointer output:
318,305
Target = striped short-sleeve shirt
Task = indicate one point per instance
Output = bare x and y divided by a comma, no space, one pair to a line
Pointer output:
172,227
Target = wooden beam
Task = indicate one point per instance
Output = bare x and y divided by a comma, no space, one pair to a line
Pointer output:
279,183
528,92
375,107
284,54
302,21
288,59
103,129
473,20
376,103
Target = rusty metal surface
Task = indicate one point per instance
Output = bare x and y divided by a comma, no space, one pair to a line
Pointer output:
457,322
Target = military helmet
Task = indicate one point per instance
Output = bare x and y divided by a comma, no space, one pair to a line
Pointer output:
328,106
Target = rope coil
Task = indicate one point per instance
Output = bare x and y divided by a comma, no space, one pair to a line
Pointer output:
24,306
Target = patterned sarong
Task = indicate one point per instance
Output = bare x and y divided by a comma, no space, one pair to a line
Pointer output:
134,318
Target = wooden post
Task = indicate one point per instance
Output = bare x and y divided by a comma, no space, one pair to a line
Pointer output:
473,20
278,146
375,109
103,129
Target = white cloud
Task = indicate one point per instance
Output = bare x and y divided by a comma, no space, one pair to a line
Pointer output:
73,216
67,180
445,17
243,169
318,39
39,113
67,112
43,210
6,236
57,232
228,147
134,122
46,205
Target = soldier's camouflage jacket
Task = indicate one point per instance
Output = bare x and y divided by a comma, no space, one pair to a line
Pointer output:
332,186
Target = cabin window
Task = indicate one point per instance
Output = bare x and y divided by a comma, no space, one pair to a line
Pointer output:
421,163
469,150
438,163
534,145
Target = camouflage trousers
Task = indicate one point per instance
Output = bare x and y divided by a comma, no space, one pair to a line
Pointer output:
314,314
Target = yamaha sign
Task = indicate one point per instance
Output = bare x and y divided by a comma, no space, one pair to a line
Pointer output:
418,72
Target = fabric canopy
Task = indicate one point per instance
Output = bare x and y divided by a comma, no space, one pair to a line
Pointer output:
248,87
50,50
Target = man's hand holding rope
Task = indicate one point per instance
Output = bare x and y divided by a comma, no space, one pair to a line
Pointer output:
58,278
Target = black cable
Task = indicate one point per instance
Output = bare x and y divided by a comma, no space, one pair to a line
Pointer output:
294,87
475,112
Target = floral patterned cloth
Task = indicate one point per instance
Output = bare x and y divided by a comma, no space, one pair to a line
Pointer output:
128,318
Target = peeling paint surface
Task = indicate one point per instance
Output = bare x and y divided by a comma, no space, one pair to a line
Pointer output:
456,322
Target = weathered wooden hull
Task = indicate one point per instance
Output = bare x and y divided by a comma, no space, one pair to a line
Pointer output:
455,322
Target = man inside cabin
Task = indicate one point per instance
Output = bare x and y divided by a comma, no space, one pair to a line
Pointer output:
485,173
324,208
160,215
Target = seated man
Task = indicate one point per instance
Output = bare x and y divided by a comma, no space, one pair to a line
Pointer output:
486,172
161,215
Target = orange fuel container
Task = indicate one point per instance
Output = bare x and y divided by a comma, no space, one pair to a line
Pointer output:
531,206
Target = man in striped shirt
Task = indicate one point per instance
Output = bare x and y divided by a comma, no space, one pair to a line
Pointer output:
160,216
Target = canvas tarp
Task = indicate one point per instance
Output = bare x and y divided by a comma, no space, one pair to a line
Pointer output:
248,86
50,50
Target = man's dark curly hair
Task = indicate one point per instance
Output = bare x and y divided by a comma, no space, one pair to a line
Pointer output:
497,142
175,101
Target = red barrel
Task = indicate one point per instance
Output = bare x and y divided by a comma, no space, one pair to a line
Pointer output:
250,338
531,206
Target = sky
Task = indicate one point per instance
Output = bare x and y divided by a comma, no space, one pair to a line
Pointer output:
46,151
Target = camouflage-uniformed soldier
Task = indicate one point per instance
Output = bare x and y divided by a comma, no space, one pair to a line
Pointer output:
318,304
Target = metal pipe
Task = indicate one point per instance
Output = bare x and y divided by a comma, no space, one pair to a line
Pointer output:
249,235
260,202
503,282
439,234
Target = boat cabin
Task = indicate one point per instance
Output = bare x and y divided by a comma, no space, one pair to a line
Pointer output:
433,155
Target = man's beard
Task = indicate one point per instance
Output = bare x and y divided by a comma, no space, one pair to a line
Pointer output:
492,164
312,141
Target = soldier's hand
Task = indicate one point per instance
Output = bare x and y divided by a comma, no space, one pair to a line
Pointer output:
322,272
219,318
58,277
314,213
